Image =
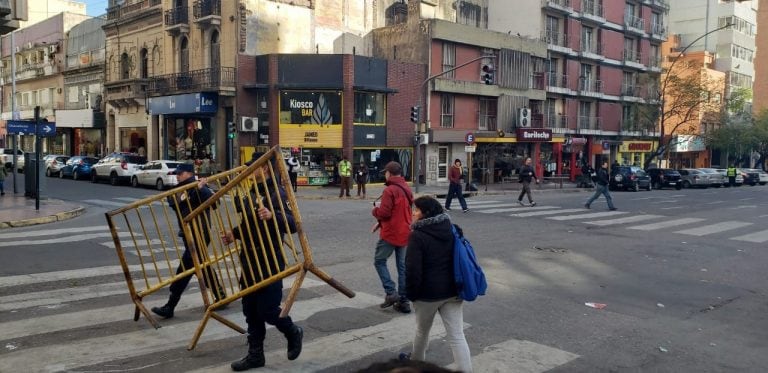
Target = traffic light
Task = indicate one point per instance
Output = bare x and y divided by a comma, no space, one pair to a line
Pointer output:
415,113
230,130
487,74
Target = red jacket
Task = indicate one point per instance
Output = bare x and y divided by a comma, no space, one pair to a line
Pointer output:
454,175
394,212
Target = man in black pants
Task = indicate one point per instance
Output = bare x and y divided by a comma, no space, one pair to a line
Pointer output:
263,306
527,175
187,202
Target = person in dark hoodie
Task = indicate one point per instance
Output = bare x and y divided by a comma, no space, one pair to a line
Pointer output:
263,306
430,282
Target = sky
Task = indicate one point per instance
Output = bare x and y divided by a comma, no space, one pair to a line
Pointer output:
95,7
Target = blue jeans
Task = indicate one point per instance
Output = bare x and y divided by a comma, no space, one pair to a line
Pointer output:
455,190
383,251
601,189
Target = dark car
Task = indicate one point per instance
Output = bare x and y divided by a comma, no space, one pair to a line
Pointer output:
78,167
664,178
751,177
629,178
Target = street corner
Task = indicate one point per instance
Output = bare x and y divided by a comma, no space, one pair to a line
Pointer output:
24,217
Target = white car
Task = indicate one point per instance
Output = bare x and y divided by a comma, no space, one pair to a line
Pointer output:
117,167
6,158
160,174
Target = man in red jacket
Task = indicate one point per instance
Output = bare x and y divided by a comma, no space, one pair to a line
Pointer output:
394,221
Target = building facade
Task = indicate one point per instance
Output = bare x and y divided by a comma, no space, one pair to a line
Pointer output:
760,86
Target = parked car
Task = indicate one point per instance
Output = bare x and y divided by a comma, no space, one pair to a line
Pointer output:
751,177
716,179
78,167
692,177
726,181
664,177
160,174
117,167
53,163
6,156
763,176
629,178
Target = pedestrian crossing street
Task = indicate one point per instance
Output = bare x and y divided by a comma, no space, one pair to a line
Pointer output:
690,226
69,321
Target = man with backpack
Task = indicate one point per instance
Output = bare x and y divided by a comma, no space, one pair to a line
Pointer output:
393,217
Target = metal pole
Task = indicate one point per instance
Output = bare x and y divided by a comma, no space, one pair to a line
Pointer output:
37,158
13,109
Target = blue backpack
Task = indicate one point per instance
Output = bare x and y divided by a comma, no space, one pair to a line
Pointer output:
469,277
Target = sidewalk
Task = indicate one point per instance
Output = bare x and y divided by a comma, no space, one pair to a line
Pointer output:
16,210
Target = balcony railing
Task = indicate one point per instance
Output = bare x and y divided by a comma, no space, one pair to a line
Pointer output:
553,38
590,85
177,16
589,123
211,79
593,48
659,29
557,4
629,90
537,81
654,62
592,8
631,56
119,11
557,80
557,121
634,22
206,8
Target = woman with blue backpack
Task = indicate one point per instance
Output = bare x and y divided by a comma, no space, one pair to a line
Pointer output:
430,280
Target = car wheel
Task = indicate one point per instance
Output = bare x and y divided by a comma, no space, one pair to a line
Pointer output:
61,174
48,172
94,177
75,176
686,184
678,187
113,179
636,187
649,188
135,182
763,183
160,185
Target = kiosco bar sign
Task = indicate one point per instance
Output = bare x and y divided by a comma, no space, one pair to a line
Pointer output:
534,134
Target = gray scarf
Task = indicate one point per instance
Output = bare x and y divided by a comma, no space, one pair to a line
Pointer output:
429,221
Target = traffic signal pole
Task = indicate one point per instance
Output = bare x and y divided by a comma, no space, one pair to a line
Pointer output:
422,95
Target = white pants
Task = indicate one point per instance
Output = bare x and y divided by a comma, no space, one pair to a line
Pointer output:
453,320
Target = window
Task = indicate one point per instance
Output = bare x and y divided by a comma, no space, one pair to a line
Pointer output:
215,50
184,55
587,39
470,14
738,24
449,58
655,56
446,110
552,29
144,64
370,108
742,53
628,84
630,50
125,66
585,80
487,120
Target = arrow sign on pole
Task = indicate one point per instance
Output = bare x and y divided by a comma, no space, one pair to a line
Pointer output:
47,129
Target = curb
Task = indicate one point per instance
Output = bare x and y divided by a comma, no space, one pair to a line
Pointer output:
61,216
442,194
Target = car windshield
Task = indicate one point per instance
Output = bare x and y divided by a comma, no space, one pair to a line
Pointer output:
135,159
172,164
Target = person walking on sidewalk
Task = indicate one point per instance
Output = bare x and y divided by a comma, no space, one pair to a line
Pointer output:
293,171
263,306
345,174
361,176
3,174
393,217
454,186
527,174
601,187
184,204
430,281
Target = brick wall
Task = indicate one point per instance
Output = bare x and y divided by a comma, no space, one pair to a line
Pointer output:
246,99
406,78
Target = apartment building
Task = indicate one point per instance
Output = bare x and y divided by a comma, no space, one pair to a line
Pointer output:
760,85
36,60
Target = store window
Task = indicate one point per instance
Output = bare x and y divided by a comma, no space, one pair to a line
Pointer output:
189,139
370,108
133,140
376,159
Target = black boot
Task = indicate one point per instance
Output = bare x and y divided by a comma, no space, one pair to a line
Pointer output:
294,337
254,359
166,311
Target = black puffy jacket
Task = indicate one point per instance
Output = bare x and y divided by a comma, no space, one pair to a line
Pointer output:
429,260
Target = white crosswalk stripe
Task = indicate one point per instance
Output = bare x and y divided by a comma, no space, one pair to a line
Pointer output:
714,228
516,209
33,340
103,202
547,212
628,219
666,224
587,216
758,237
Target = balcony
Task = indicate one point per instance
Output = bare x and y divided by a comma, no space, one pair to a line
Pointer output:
658,4
121,11
658,31
630,92
593,11
589,124
631,58
592,51
204,80
634,24
557,121
177,20
590,87
563,6
556,41
537,81
126,92
654,64
207,12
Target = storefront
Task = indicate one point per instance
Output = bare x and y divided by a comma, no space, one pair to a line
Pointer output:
187,127
688,151
633,153
311,123
78,132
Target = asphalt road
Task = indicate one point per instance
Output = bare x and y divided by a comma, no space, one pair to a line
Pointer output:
681,273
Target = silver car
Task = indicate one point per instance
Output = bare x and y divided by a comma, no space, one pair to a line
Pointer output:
54,163
726,182
716,179
691,177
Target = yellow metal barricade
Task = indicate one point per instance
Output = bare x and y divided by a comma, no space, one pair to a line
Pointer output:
226,271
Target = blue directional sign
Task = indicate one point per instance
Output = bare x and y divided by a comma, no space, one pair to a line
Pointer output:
27,127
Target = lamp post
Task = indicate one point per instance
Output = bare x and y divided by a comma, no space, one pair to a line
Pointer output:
663,88
422,95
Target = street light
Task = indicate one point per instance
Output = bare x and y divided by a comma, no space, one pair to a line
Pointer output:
418,116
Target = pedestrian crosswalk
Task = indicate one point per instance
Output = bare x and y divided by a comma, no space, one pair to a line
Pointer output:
690,226
47,326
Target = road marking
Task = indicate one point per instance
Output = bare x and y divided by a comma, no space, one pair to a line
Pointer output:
715,202
73,354
470,202
667,201
36,278
548,212
666,224
507,205
746,199
588,216
519,356
758,237
52,232
628,219
671,208
519,208
714,228
743,207
676,195
74,238
102,202
128,199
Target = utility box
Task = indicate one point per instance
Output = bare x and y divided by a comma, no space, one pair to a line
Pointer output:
30,182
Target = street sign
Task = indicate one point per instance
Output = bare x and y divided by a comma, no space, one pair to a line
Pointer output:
470,138
27,127
469,148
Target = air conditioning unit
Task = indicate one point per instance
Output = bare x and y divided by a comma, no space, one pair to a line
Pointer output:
423,139
17,49
29,45
249,124
524,119
52,48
